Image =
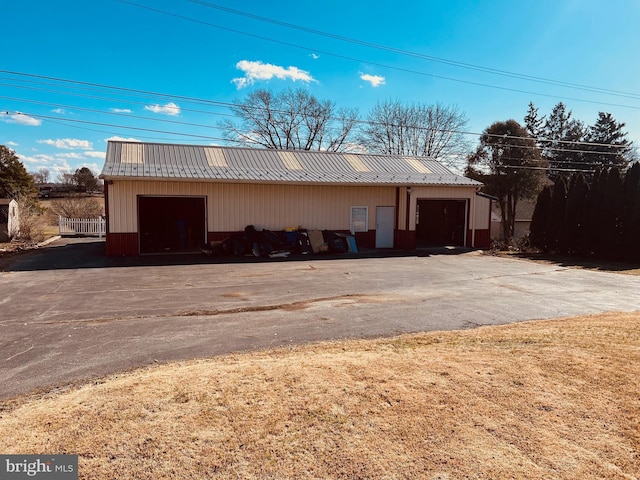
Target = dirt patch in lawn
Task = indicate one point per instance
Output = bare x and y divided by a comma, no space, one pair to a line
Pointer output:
546,399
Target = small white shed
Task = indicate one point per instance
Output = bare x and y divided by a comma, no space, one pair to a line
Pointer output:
9,219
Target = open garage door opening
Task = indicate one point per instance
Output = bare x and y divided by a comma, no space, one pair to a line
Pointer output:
441,222
171,224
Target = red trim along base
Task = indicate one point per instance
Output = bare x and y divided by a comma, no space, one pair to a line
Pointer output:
405,239
483,238
122,245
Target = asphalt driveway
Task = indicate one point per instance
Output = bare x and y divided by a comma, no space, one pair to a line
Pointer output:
67,313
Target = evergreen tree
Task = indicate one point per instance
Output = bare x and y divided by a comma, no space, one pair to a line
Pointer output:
572,238
612,148
555,222
590,220
532,123
539,220
630,205
633,231
596,206
561,132
15,182
611,213
85,179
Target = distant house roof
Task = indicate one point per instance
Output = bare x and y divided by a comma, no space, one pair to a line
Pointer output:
136,160
5,201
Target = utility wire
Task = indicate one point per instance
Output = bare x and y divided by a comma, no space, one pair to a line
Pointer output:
120,114
74,122
49,117
63,123
378,64
235,105
408,52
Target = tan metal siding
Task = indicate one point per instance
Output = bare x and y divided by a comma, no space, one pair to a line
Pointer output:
483,206
231,207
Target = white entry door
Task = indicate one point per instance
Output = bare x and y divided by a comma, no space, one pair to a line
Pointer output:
385,221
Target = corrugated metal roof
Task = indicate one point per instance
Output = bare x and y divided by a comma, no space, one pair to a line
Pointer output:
168,161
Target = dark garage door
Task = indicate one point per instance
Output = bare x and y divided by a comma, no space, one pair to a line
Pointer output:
440,222
171,224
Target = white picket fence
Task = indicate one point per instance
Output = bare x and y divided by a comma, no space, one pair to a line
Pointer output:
82,226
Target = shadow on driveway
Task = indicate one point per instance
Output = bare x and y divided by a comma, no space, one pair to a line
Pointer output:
78,252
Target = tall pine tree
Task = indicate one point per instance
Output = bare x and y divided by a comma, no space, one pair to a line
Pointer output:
533,123
630,206
555,222
611,147
560,145
15,182
572,235
538,229
611,213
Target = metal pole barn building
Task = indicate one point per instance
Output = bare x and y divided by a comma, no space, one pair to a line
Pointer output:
174,198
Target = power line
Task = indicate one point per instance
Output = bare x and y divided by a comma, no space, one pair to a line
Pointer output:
369,62
235,105
180,134
49,117
410,53
121,114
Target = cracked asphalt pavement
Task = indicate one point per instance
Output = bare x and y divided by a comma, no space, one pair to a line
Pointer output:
69,314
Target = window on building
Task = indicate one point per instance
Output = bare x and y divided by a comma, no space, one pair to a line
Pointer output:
359,219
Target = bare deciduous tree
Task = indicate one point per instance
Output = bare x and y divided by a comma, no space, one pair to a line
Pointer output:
76,207
66,179
423,130
290,120
41,176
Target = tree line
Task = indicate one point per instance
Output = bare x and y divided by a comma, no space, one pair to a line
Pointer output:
515,161
567,143
297,120
82,180
600,218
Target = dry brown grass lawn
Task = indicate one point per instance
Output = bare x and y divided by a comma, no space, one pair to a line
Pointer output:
546,399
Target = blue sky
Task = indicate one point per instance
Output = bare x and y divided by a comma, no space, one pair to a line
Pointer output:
214,55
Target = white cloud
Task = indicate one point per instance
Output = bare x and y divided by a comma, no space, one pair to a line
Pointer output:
58,110
265,71
122,139
168,109
40,159
72,155
61,167
95,154
374,80
12,144
68,143
120,110
315,56
23,119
